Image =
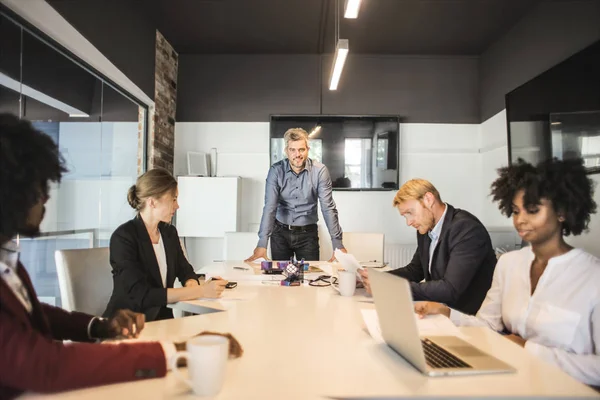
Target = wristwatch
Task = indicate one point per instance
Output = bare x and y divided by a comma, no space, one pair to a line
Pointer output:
99,328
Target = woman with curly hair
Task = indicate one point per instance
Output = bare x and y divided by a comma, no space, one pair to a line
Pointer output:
545,297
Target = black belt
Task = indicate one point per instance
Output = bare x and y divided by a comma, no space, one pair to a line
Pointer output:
298,228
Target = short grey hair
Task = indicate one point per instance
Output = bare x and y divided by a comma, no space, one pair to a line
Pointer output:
295,134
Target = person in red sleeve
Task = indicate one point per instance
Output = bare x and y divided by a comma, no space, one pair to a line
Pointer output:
33,354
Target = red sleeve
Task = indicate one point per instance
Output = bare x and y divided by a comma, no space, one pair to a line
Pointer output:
33,362
67,325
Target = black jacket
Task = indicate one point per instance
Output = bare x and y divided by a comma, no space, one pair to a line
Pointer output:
136,276
462,267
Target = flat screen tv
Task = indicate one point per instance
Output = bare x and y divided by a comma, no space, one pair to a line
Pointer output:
360,152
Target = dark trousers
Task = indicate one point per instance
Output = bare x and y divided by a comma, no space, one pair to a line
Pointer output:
304,244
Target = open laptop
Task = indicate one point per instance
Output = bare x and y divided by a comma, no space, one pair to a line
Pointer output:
432,355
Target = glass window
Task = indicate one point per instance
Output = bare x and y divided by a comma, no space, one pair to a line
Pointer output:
357,162
577,135
100,133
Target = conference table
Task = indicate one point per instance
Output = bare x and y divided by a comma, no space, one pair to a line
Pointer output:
309,342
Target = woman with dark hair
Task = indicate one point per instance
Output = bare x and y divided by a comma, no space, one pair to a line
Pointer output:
546,296
146,254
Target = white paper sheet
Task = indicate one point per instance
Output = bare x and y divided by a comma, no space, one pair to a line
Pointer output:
431,325
348,261
436,325
326,268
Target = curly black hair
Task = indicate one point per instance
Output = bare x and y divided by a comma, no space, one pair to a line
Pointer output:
29,159
563,182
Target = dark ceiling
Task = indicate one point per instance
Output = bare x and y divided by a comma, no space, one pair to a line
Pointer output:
444,27
447,27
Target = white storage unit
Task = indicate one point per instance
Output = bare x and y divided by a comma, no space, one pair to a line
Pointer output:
209,207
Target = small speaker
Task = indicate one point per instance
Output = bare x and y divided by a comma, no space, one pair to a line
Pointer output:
213,162
197,164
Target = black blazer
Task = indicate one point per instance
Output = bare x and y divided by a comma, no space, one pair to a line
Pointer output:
136,276
462,267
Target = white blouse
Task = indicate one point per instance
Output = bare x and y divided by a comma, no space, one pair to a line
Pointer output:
161,258
560,321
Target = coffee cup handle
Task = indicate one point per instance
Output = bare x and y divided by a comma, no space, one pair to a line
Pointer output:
175,370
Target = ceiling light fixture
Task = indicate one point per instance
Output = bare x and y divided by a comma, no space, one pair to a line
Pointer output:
341,52
351,9
315,131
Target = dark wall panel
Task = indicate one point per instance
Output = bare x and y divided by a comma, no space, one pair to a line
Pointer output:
246,87
122,30
252,87
550,33
435,89
56,76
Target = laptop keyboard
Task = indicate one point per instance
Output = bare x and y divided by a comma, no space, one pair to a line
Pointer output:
437,357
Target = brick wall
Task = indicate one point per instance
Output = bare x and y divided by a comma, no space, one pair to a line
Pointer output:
141,128
161,138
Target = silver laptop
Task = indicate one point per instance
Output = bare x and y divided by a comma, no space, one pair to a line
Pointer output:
432,355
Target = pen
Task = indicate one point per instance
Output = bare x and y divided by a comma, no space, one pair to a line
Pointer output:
242,268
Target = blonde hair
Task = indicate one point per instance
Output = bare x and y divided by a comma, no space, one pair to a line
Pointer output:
415,189
294,134
154,183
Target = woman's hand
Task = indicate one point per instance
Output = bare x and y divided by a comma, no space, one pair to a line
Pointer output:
214,288
191,282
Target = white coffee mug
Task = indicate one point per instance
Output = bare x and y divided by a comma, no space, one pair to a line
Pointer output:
206,357
346,283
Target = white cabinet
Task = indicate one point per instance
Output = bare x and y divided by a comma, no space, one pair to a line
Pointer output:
209,207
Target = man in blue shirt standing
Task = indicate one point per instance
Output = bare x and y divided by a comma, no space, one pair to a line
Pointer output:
294,185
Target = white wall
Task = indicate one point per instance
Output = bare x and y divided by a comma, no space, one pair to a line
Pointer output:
446,154
102,163
590,241
494,154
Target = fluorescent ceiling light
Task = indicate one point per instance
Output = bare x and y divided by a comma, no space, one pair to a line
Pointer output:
15,85
315,131
351,9
341,52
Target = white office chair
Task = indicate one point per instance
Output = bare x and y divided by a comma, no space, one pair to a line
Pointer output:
85,279
366,247
240,245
